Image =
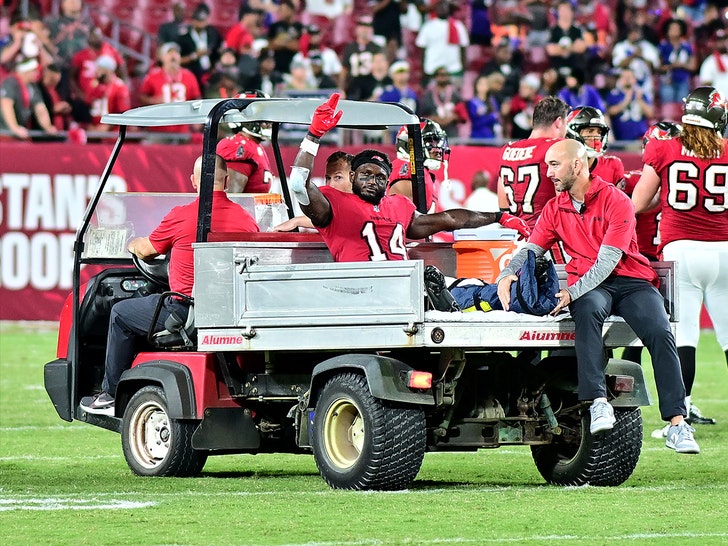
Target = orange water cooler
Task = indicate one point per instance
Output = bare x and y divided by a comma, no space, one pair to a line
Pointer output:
482,253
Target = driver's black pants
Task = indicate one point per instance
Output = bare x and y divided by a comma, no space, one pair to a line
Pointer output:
642,307
130,322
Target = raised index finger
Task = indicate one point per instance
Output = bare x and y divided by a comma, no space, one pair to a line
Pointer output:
333,100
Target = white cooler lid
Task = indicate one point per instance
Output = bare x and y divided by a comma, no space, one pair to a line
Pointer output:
492,232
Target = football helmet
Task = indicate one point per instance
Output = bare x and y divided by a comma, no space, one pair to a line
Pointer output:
259,129
582,117
662,130
706,107
434,144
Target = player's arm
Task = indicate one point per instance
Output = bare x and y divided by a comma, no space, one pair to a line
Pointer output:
294,223
424,225
142,247
645,195
313,203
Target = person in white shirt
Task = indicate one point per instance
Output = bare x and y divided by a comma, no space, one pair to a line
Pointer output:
444,40
640,56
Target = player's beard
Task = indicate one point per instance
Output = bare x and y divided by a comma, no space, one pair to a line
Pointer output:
374,199
566,182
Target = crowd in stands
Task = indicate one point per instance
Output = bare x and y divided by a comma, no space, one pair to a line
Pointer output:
477,67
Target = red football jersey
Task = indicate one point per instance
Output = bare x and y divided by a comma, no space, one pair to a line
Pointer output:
248,157
84,62
362,232
609,168
523,173
648,235
167,88
693,192
111,98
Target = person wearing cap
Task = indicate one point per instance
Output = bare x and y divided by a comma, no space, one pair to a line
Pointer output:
200,45
109,94
520,114
20,101
368,225
267,78
323,80
400,90
169,82
314,48
356,58
299,77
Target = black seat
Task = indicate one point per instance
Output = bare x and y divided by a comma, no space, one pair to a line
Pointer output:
178,334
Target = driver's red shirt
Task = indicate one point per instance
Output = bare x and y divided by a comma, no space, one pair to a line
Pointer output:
362,232
178,230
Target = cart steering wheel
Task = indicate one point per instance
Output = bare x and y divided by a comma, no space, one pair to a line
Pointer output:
155,271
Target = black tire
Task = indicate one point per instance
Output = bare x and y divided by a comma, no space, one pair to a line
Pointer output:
360,442
154,444
579,458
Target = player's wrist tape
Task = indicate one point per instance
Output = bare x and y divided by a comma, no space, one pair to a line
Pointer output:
309,146
297,180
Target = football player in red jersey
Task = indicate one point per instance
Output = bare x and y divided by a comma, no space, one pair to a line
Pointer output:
690,173
523,187
368,225
588,125
437,155
248,164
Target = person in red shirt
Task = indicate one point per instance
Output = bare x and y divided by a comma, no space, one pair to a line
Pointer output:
689,172
523,187
247,161
131,318
169,83
606,276
368,225
588,125
109,95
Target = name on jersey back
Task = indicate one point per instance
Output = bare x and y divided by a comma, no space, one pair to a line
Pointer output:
518,154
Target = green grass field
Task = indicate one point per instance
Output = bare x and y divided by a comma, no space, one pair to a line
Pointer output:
68,484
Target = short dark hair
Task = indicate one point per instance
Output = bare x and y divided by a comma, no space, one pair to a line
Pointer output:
339,155
548,110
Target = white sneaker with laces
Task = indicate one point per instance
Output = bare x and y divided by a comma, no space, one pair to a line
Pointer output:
680,438
602,416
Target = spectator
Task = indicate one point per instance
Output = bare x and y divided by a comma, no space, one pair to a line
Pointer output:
387,25
399,90
69,30
284,36
169,83
443,40
484,112
629,108
267,78
200,45
481,197
551,82
321,79
693,227
172,30
356,58
677,62
223,83
300,78
372,85
83,73
577,92
480,31
508,62
331,64
714,69
566,48
109,93
131,319
241,36
332,17
704,34
59,109
522,105
641,57
439,102
26,39
21,100
606,275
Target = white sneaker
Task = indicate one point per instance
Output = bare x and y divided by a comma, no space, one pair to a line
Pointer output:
602,416
680,438
660,432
